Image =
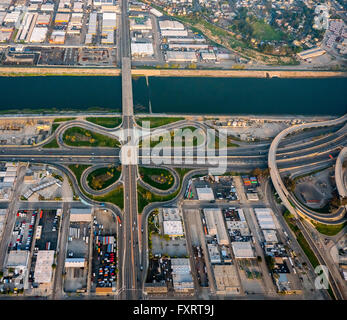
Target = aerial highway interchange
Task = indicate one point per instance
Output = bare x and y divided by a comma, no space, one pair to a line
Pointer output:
292,151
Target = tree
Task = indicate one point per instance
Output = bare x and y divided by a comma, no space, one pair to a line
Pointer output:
166,237
262,173
289,183
256,172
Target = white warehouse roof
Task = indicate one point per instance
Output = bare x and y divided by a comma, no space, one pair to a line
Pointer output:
109,16
215,223
264,217
38,34
43,267
171,214
74,262
173,228
18,258
155,12
214,253
270,236
142,49
181,276
242,250
170,25
205,193
174,33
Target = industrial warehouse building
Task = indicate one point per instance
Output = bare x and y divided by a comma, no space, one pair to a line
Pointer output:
186,40
181,56
193,46
311,53
3,213
214,253
270,236
172,222
108,26
142,49
243,250
43,268
171,214
174,33
226,279
62,18
181,275
205,193
252,196
156,288
173,228
215,225
103,2
18,260
91,27
264,217
38,35
81,215
155,12
208,56
170,25
75,262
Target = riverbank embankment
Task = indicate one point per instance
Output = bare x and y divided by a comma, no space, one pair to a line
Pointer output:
55,71
237,73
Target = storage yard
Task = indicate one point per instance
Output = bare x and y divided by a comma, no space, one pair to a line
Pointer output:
104,255
31,252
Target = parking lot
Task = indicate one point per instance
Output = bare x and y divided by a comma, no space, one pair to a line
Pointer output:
104,266
22,234
172,248
49,225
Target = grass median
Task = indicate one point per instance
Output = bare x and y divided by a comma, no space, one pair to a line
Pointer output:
63,119
115,196
158,121
79,137
158,178
145,197
301,239
51,144
189,135
107,122
329,230
102,178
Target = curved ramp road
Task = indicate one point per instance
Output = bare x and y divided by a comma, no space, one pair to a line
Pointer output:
278,183
341,174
